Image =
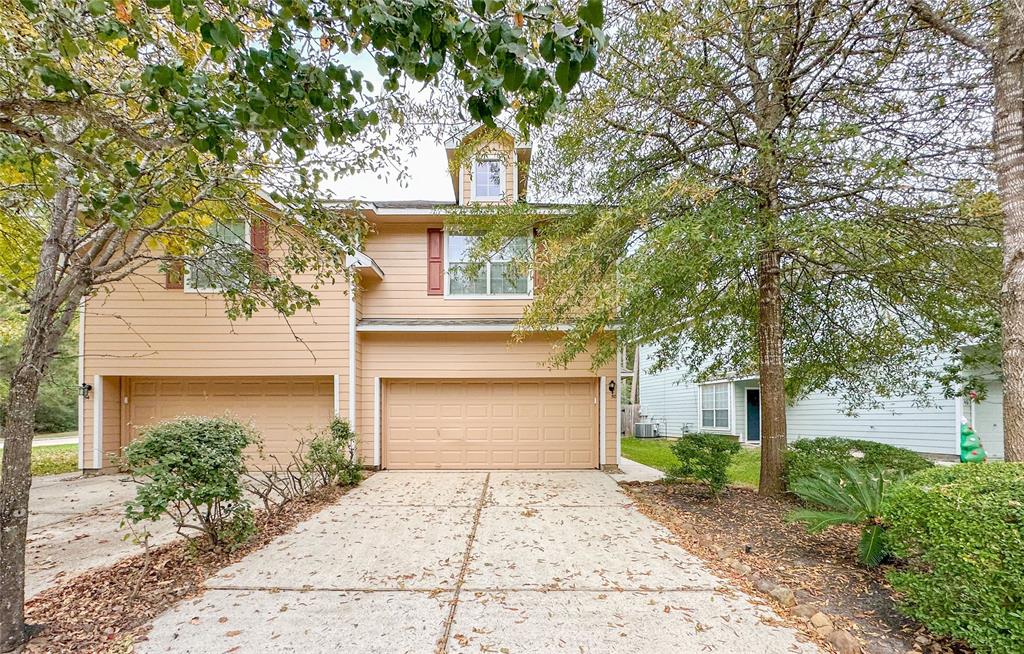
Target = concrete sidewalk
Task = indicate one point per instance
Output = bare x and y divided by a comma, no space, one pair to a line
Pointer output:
473,562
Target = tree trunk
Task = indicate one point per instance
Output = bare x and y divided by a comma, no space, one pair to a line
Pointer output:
771,369
1008,135
51,308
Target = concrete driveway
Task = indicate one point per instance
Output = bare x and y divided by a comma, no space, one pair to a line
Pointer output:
473,562
74,525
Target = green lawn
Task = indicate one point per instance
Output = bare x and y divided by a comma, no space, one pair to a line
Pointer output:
54,459
745,469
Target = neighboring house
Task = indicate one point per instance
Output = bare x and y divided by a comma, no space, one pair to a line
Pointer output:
928,425
416,355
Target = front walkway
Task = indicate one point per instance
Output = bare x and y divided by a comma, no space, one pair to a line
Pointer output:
473,562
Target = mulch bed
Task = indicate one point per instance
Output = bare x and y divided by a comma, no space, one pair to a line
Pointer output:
107,609
821,569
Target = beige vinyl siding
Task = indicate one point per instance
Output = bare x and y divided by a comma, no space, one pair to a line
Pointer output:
465,356
400,249
137,327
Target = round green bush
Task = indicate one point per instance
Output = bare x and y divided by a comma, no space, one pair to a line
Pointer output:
806,456
960,530
704,457
191,470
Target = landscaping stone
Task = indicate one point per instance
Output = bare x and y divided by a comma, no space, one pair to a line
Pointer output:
783,595
805,611
819,619
764,585
844,642
740,567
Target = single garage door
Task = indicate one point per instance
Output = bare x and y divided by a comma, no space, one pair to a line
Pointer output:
283,409
475,424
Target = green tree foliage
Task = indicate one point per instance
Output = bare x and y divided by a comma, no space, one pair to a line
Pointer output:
765,189
58,392
132,132
704,457
961,531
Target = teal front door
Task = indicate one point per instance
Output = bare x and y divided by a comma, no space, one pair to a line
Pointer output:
753,415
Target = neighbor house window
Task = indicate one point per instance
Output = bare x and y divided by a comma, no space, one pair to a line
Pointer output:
714,406
228,239
504,274
488,180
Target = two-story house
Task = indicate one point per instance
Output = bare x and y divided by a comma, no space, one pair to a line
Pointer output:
415,353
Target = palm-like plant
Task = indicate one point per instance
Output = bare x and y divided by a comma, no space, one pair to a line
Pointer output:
847,496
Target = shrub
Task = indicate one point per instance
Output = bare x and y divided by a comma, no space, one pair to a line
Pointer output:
848,496
806,456
191,470
961,531
330,456
327,460
704,457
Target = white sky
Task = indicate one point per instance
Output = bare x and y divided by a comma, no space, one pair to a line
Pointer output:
427,175
427,178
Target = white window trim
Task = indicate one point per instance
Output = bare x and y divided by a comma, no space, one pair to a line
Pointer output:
213,290
472,180
729,406
486,296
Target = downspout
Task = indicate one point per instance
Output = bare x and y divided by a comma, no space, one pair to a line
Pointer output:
352,355
81,380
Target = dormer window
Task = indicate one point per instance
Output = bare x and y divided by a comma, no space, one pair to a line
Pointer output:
488,179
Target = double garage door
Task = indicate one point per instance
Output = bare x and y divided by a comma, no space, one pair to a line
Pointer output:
477,424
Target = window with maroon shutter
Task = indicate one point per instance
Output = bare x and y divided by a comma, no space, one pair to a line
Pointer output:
175,276
435,261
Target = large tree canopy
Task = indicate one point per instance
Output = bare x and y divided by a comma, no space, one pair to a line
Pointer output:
132,131
774,189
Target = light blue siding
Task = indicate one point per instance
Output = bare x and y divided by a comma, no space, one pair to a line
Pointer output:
900,422
668,398
927,425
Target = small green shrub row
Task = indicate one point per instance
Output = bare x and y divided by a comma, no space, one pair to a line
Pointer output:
704,457
806,457
193,470
960,530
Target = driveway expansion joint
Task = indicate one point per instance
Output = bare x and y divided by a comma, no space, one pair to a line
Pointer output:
442,643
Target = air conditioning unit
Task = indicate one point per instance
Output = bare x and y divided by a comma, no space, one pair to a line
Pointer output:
646,430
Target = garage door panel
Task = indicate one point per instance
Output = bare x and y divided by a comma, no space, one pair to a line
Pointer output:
283,410
490,424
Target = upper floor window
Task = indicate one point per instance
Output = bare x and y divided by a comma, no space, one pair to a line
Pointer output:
488,179
714,406
503,275
227,240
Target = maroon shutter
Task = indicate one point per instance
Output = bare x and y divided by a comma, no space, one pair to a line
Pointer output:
175,279
258,240
435,261
538,250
